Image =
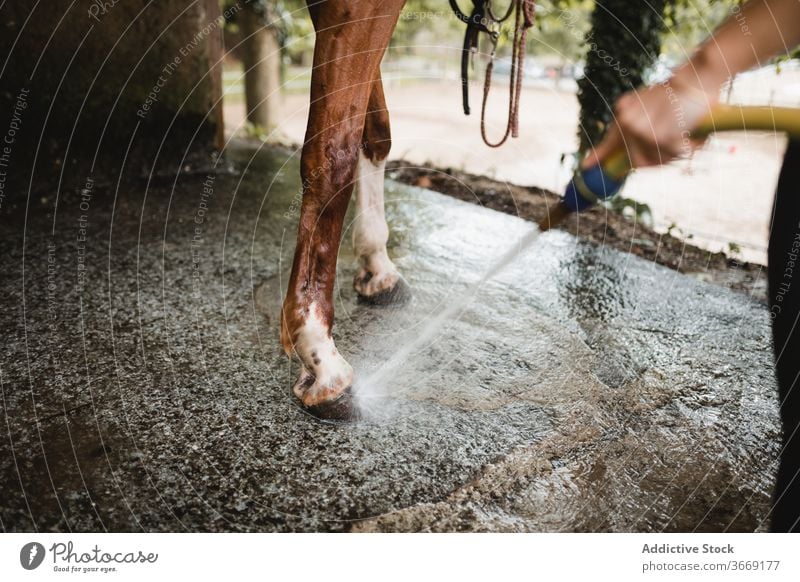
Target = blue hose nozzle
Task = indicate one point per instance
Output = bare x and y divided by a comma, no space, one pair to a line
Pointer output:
589,186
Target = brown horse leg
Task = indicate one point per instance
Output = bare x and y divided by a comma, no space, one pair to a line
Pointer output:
351,40
378,279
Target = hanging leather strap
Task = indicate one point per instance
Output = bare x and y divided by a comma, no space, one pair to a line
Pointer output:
476,23
525,14
483,19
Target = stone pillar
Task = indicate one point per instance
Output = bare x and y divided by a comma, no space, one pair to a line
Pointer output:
261,57
112,76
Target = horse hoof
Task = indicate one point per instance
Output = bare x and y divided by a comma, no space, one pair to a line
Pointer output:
399,294
340,410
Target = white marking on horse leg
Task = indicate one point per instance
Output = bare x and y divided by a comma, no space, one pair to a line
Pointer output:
326,374
370,231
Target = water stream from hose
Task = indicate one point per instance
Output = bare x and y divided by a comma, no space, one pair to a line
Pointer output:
373,385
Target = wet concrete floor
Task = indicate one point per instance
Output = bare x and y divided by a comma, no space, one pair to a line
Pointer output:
143,386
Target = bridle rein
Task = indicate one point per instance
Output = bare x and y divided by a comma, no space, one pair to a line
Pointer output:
483,19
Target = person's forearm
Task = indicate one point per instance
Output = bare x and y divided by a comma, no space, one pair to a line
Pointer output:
760,30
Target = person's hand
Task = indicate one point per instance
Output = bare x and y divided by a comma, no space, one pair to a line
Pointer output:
653,124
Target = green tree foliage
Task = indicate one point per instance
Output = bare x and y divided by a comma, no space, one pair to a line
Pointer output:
560,29
427,22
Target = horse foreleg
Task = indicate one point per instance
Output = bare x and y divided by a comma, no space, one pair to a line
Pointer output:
351,40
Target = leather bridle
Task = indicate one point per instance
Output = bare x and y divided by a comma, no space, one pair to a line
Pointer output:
483,19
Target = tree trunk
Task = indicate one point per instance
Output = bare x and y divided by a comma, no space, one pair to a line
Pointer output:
624,41
262,64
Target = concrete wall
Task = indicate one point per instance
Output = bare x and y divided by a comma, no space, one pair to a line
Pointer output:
104,74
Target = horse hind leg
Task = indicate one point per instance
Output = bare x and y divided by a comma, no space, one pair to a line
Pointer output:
377,281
